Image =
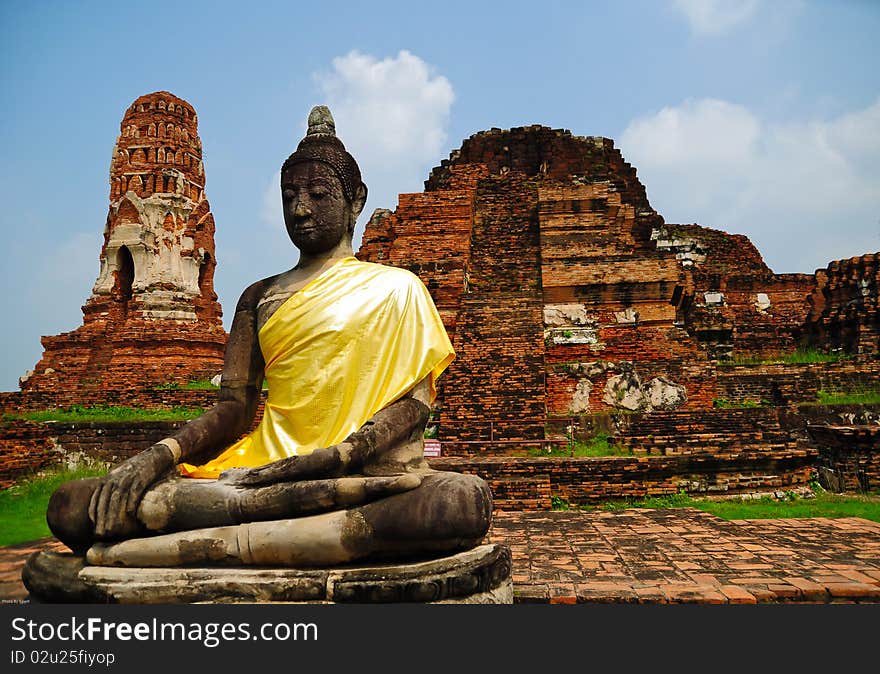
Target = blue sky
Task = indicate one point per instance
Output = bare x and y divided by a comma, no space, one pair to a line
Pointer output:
759,117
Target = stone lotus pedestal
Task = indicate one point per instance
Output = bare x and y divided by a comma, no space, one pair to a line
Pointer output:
477,576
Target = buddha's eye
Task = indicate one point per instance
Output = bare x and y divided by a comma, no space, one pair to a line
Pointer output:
319,193
288,194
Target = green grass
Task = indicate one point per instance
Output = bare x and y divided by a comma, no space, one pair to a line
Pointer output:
679,500
598,446
23,506
804,356
826,504
196,385
848,398
725,404
79,413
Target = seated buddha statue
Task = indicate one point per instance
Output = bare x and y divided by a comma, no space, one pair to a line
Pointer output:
334,472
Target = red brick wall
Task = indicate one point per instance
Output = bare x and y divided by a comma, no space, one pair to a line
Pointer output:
850,469
520,483
111,442
843,307
498,372
797,383
25,447
734,268
140,398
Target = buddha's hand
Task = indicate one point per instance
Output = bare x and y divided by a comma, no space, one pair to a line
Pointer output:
113,506
320,464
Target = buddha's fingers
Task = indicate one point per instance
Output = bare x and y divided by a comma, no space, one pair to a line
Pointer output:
98,506
313,496
326,462
352,491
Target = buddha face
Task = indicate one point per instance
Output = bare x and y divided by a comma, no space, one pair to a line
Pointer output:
317,213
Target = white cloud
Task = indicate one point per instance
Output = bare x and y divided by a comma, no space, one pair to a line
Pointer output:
391,109
815,184
712,17
686,141
392,114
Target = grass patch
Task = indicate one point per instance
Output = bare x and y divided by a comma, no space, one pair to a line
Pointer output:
78,413
23,506
680,500
826,504
799,357
725,404
597,446
196,385
848,398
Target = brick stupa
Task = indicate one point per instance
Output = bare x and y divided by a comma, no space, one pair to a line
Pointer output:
153,316
567,294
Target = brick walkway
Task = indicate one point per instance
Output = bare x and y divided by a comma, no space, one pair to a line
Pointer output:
686,555
669,556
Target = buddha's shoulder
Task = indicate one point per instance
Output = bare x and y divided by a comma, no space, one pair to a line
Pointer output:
252,295
392,278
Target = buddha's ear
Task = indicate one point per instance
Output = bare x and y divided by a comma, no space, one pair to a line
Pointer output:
357,204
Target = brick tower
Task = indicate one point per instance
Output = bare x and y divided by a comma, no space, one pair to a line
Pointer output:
153,315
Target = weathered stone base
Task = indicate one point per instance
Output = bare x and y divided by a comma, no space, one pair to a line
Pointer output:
477,576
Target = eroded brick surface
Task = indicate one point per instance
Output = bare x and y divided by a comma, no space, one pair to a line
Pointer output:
843,305
24,447
530,483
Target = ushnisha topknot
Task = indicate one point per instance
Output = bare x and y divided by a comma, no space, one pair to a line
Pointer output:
321,144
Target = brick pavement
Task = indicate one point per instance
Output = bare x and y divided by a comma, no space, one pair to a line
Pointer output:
686,555
658,556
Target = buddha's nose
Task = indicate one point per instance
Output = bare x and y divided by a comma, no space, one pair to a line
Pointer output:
301,210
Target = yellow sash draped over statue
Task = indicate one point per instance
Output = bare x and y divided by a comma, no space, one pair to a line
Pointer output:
349,343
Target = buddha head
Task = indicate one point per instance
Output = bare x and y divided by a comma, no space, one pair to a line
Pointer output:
322,193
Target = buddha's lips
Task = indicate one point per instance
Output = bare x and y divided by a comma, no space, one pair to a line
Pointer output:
305,226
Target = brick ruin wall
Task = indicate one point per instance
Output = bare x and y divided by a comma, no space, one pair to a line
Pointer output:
843,307
634,310
109,442
791,384
25,448
848,440
516,482
847,468
499,342
728,452
149,398
530,483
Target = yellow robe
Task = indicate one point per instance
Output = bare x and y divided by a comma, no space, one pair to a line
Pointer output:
349,343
